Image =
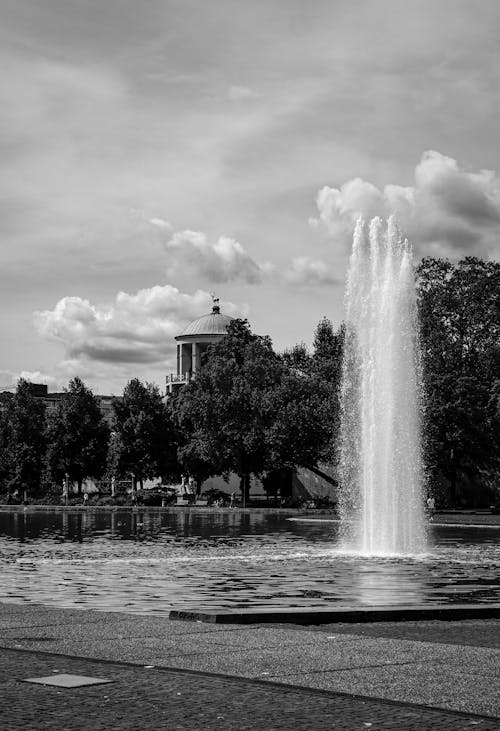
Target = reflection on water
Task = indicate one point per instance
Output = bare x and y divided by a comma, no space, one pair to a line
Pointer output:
381,584
146,562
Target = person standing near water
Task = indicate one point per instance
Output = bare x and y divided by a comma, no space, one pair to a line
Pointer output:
431,507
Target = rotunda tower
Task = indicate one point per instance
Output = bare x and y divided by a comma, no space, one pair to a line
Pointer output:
193,342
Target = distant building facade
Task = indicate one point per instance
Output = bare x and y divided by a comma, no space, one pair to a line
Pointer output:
52,401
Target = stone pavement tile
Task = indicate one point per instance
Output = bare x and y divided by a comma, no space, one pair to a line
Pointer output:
473,661
108,630
477,633
259,636
248,652
102,640
13,616
38,615
156,699
430,685
296,658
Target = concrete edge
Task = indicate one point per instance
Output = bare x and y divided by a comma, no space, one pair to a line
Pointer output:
35,508
349,615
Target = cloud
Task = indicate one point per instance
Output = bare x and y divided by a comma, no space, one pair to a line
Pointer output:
223,261
309,272
241,93
9,379
137,328
449,211
226,260
162,225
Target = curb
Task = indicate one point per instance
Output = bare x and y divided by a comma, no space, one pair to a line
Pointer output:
349,615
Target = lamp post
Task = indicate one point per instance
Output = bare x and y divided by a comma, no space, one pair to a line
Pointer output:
134,497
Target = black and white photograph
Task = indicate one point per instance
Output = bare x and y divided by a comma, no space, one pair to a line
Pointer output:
249,365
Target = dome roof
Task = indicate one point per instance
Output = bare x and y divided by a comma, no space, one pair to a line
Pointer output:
214,323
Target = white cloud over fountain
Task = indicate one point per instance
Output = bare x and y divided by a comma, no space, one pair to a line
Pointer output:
448,211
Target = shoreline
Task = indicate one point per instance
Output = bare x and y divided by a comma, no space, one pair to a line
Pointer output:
458,518
148,508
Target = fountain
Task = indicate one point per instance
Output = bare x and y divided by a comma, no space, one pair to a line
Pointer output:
148,560
381,502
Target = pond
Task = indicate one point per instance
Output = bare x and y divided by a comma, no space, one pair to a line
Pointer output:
146,562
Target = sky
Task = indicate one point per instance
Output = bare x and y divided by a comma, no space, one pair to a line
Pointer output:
154,153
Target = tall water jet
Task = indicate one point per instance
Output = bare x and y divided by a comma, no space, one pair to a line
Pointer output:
381,469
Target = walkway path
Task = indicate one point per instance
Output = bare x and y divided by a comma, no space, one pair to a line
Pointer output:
384,676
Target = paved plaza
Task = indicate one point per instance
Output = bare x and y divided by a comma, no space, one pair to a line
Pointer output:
183,675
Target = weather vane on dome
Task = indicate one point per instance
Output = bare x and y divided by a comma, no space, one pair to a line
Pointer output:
215,301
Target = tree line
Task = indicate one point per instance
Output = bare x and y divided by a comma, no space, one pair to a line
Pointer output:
252,411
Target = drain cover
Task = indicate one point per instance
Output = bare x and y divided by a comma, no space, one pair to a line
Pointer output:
66,680
34,639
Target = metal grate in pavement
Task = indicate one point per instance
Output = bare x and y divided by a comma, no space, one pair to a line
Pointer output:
66,680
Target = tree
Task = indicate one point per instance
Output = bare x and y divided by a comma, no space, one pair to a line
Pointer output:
145,438
24,439
224,413
249,412
303,427
78,436
459,308
113,456
298,359
323,368
327,355
5,455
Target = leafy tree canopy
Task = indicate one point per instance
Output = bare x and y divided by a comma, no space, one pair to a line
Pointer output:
78,436
24,439
249,412
143,440
460,334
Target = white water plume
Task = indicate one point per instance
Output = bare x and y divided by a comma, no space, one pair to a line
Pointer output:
381,498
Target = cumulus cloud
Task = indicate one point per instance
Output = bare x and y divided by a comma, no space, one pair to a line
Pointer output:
223,261
309,272
449,211
136,328
9,379
226,260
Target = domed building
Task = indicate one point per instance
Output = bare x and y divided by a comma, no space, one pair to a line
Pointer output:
193,342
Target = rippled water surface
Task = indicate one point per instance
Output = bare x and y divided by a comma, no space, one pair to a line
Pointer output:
146,562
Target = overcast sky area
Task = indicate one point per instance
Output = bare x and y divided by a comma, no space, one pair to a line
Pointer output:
153,152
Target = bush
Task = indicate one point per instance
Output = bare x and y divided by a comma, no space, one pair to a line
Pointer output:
155,497
214,494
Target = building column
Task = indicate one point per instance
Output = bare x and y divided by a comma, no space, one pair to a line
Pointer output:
194,357
185,358
178,359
